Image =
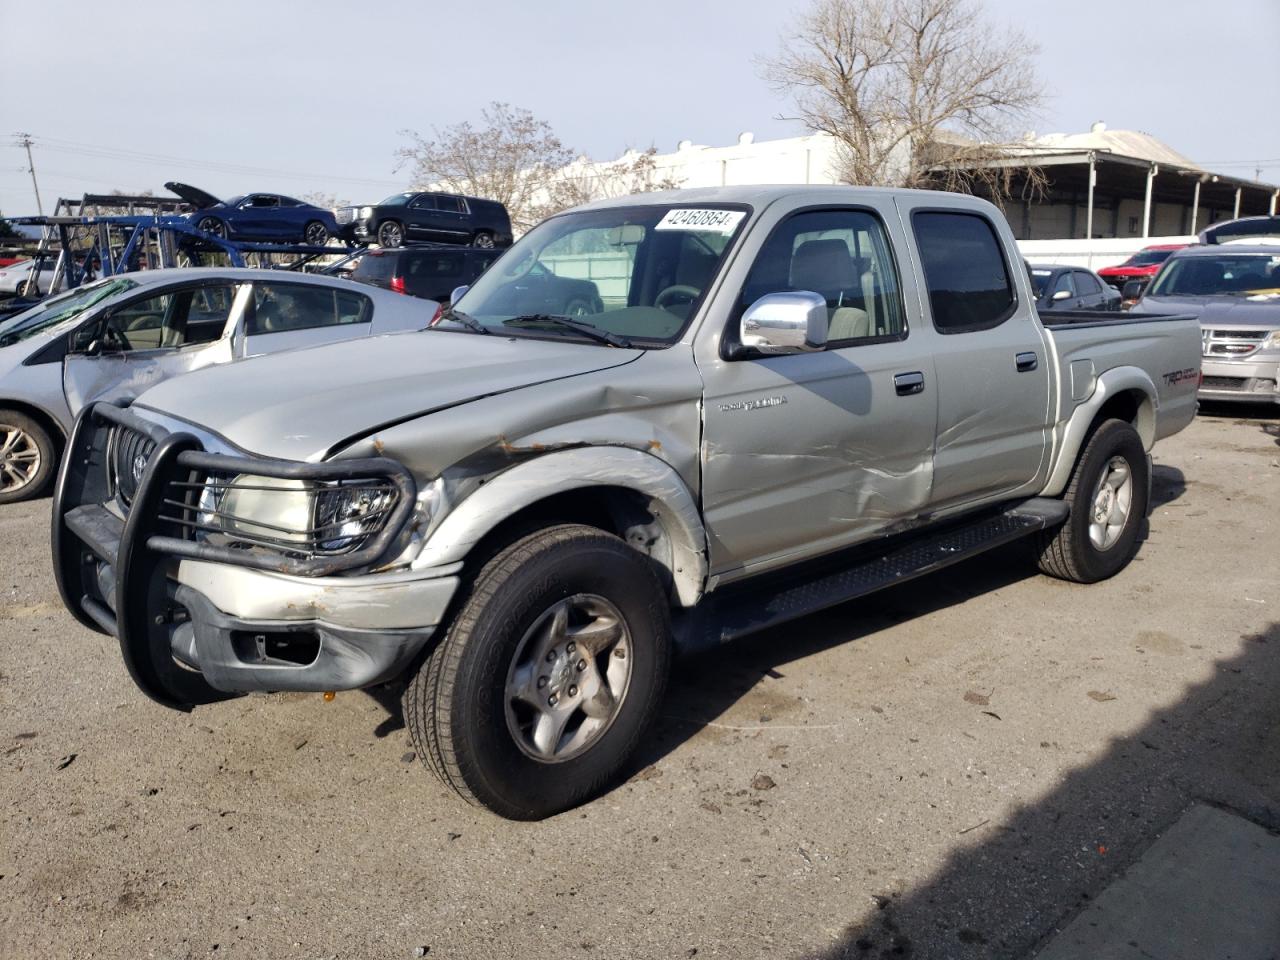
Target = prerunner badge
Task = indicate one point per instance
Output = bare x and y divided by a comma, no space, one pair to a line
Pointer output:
706,221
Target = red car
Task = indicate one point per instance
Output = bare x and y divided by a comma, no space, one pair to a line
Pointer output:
1143,265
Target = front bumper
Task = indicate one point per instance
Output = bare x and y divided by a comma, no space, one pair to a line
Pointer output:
193,629
1240,381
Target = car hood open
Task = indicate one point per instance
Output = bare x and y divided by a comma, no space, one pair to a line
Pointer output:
193,195
304,404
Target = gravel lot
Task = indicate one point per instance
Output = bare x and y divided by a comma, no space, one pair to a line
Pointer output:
949,769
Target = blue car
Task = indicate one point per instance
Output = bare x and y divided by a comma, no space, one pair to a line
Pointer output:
258,216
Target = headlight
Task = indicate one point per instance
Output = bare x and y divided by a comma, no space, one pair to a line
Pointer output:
296,516
366,213
1273,340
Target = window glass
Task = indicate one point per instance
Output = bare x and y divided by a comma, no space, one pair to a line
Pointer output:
1064,284
451,204
1086,284
968,282
843,255
266,201
435,265
1039,280
60,309
1221,275
424,203
177,318
280,307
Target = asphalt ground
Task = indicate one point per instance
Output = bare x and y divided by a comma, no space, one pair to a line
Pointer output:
953,768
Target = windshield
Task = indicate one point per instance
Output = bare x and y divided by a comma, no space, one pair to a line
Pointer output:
1039,280
1145,258
397,200
1224,276
636,272
60,309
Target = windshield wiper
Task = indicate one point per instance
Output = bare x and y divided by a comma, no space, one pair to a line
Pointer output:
468,321
578,326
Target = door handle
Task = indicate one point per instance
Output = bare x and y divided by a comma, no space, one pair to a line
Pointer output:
1027,361
907,384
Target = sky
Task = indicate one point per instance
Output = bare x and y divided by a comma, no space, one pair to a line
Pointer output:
299,97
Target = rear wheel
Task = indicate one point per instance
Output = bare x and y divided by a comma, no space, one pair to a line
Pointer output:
1108,499
315,233
28,457
549,676
482,239
390,234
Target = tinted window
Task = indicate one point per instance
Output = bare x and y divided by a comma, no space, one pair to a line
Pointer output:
424,203
434,265
1039,280
451,204
1086,284
969,285
178,318
1146,258
1064,284
375,266
1218,276
280,307
842,255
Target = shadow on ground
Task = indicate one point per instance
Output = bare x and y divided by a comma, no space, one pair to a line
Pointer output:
1219,744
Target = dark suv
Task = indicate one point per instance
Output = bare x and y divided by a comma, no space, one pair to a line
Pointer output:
428,272
437,217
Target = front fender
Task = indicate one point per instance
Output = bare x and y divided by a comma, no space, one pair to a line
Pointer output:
1110,384
670,501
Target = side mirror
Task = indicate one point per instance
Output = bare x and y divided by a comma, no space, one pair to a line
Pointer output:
781,323
458,293
85,340
1061,295
1132,290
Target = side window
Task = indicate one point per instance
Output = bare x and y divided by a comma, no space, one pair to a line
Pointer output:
436,265
178,318
1064,284
424,203
842,255
263,200
964,270
281,307
1087,284
451,204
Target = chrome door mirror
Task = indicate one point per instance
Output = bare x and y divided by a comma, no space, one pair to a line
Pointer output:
778,323
458,293
1061,295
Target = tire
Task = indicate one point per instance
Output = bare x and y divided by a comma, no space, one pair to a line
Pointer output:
28,457
315,234
1085,549
466,708
390,234
483,239
214,226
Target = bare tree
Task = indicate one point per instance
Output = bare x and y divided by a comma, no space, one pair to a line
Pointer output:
582,181
323,200
916,93
511,156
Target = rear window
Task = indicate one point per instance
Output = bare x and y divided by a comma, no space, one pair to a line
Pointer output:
969,285
375,267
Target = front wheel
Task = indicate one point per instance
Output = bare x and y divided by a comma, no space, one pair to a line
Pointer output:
390,234
550,674
212,225
1108,499
28,457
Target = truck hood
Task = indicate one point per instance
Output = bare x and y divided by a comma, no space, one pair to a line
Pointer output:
1220,312
303,404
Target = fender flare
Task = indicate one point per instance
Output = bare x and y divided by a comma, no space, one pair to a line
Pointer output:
670,501
1110,384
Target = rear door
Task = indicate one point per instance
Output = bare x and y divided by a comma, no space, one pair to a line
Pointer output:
1089,291
282,315
151,338
991,364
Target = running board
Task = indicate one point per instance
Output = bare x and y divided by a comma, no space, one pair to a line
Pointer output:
745,608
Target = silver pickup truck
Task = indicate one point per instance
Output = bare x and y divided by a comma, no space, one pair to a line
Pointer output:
788,397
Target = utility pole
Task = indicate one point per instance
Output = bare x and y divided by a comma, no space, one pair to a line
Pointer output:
24,140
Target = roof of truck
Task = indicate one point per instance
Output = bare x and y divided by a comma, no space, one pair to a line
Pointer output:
760,195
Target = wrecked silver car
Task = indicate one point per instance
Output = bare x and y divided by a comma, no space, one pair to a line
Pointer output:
113,339
772,400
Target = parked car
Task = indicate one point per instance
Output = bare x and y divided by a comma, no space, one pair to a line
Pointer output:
258,216
21,278
1234,291
1058,287
113,339
437,217
789,397
430,272
1143,265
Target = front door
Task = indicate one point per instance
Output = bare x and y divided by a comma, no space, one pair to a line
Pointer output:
149,339
991,360
811,452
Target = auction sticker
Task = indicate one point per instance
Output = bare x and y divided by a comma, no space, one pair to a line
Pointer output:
706,221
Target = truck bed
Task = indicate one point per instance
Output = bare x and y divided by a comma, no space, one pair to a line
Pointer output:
1094,318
